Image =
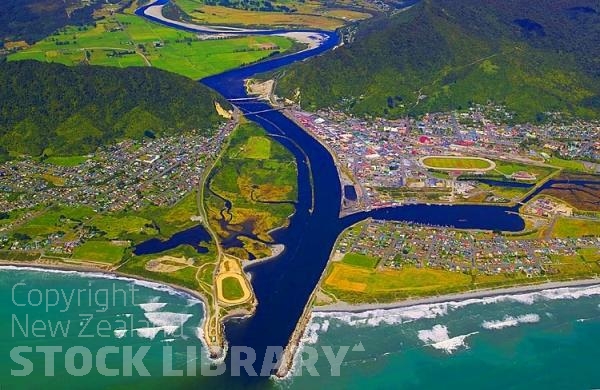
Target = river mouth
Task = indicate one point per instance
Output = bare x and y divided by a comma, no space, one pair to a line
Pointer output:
283,286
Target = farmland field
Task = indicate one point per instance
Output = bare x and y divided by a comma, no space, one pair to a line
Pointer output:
127,40
313,14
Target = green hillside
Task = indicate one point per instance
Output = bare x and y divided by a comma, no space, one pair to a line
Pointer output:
31,20
59,110
446,54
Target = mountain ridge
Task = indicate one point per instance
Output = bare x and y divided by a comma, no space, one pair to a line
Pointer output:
48,108
444,55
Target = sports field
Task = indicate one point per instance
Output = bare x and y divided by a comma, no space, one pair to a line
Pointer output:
232,289
67,161
457,163
360,260
102,251
126,40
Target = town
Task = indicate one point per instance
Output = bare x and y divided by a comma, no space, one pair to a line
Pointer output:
395,245
93,207
126,176
383,158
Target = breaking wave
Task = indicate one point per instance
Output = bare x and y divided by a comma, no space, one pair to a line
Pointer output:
438,338
387,316
311,333
193,302
393,316
152,306
163,319
148,333
509,321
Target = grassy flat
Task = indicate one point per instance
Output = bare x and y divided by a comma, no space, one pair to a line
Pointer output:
126,40
120,226
508,168
570,165
55,220
54,180
358,284
176,218
102,251
573,227
257,175
257,148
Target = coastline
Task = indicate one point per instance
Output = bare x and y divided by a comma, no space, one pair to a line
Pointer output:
101,273
92,272
295,341
464,296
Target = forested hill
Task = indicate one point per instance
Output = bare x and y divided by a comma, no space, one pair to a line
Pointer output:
533,56
32,20
55,109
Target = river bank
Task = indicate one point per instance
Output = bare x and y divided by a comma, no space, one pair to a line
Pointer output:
284,288
474,294
154,11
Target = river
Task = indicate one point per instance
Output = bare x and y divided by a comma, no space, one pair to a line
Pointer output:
284,285
491,342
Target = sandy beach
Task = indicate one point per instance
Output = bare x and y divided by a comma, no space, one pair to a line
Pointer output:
101,273
356,308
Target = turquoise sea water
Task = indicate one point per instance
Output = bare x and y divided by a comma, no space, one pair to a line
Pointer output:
149,316
545,340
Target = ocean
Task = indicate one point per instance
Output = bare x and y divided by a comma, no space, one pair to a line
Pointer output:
539,340
548,339
95,312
